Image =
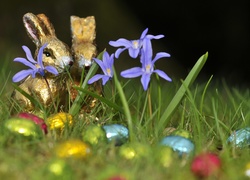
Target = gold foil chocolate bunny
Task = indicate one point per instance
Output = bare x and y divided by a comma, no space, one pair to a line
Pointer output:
83,32
56,54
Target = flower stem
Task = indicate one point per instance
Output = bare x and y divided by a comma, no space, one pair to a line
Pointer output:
51,96
150,105
125,106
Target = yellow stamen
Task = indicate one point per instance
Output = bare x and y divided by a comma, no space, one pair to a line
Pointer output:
148,68
108,71
135,44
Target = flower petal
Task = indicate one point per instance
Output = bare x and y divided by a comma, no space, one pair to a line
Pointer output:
133,52
107,60
119,51
132,73
51,69
145,79
144,33
95,78
40,56
120,42
28,54
162,74
101,64
105,80
25,62
160,55
149,36
21,75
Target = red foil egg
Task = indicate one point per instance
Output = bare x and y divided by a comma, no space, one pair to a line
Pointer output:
37,120
206,164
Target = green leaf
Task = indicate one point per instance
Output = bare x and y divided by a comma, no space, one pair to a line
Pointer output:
181,92
102,99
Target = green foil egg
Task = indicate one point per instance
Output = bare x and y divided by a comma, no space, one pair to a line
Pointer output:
165,155
134,150
181,132
94,135
58,169
23,127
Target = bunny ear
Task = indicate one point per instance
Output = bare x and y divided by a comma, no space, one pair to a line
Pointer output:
83,29
47,23
35,28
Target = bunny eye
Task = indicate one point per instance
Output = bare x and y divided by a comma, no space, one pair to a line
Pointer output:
47,54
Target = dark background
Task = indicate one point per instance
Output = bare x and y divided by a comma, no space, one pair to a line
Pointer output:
191,28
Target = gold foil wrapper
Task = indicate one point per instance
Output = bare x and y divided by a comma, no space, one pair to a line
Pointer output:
59,121
73,148
39,90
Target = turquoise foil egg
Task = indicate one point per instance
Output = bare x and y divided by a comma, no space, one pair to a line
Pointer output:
116,133
179,144
240,138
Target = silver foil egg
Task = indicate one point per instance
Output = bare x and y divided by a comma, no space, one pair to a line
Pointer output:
116,133
240,138
179,144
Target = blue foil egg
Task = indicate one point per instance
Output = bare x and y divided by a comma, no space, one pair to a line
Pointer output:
116,133
179,144
240,138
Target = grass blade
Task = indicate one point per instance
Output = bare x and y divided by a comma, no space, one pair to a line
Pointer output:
181,92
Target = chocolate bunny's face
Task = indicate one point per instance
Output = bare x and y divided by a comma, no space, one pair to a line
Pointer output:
83,32
56,54
41,31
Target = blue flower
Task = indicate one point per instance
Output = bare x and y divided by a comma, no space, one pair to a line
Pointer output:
35,66
147,66
106,65
133,46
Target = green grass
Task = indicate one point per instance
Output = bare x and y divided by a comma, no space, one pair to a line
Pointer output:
210,111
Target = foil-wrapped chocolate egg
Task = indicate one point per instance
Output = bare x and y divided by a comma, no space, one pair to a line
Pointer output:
247,169
134,150
181,132
182,145
94,134
37,120
206,165
116,133
73,148
165,155
23,127
59,120
240,138
58,168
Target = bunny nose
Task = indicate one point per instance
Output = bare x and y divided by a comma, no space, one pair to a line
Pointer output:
71,63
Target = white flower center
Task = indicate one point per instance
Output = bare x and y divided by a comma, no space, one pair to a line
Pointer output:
135,44
108,70
148,68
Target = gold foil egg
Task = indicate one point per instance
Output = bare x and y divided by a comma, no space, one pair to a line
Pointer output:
24,127
247,169
59,120
73,148
94,134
